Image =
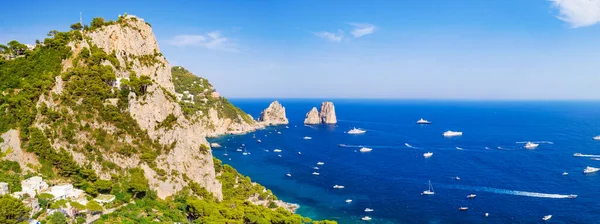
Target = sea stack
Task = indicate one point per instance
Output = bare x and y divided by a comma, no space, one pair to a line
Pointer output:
326,115
312,117
273,115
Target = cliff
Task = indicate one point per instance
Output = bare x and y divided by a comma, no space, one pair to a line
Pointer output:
312,117
273,115
326,115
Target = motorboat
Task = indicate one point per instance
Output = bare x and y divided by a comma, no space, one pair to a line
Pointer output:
307,138
595,158
348,200
565,173
239,150
427,154
316,167
531,145
572,196
590,169
597,137
289,175
452,133
316,174
459,148
320,163
463,208
365,149
356,131
429,191
546,218
278,133
258,140
276,150
577,154
299,153
366,218
457,178
369,210
471,196
423,121
341,145
338,186
279,155
487,214
215,145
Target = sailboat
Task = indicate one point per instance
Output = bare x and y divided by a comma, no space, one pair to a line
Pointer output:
225,154
429,191
245,152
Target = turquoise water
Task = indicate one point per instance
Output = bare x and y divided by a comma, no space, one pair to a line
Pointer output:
512,184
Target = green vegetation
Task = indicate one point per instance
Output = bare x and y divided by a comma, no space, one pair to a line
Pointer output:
201,89
168,122
12,210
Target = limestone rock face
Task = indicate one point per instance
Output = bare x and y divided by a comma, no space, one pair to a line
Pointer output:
273,115
312,117
12,148
327,113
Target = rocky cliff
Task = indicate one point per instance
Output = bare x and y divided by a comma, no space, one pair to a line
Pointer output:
312,117
273,115
327,113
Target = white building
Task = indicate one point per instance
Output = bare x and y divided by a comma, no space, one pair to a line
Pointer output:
4,188
65,191
33,186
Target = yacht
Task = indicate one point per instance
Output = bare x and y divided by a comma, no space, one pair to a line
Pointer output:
289,175
572,196
471,196
316,174
307,138
245,152
299,153
578,154
565,173
258,140
597,137
278,133
459,148
429,191
423,121
457,178
348,200
546,218
316,167
215,145
355,131
463,208
287,127
427,154
239,150
590,169
365,149
531,145
366,218
487,214
452,133
338,186
369,210
276,150
595,158
279,155
320,163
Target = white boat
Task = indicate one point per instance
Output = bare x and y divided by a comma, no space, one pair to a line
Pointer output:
471,196
572,196
565,173
590,169
595,158
531,145
348,200
316,167
487,214
239,150
463,208
287,127
429,191
423,121
459,148
307,138
457,178
299,153
278,133
320,163
225,154
597,137
546,218
276,150
341,145
356,131
245,152
266,150
289,175
215,145
316,174
427,154
577,154
366,218
369,210
278,155
258,140
487,147
452,133
338,186
365,149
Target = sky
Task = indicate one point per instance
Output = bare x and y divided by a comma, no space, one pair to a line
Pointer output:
426,49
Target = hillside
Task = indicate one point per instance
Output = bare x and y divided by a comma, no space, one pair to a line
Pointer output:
99,107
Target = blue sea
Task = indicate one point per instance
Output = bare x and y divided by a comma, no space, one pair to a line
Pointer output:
512,184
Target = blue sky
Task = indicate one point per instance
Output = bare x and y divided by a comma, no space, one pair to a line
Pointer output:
433,49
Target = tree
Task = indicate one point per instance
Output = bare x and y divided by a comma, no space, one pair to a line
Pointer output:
76,26
94,207
97,22
16,48
3,48
12,210
45,200
57,218
137,182
103,186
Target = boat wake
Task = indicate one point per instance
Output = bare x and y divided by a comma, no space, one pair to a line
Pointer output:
587,155
537,142
410,146
368,146
509,192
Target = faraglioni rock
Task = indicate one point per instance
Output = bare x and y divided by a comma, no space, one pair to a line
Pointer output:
327,113
273,115
312,117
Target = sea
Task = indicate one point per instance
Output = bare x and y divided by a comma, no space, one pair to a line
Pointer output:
512,184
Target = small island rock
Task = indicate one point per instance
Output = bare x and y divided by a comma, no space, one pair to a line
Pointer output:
312,117
273,115
327,113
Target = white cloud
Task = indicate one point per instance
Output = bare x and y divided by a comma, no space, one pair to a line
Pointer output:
212,40
578,13
330,36
361,29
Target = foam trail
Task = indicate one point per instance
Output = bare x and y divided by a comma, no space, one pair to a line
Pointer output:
459,148
509,192
410,146
368,146
588,155
537,142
